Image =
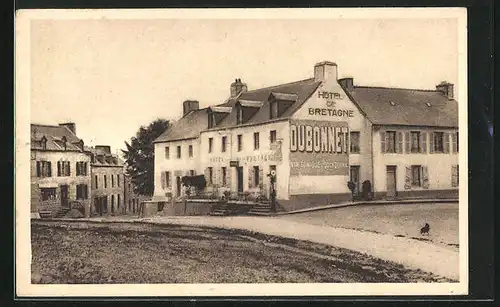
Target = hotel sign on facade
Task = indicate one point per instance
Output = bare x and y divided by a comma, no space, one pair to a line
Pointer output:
319,148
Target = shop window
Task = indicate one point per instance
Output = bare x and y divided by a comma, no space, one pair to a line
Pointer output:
210,144
81,191
224,176
190,150
167,152
178,152
272,136
48,193
438,142
354,145
256,141
224,140
416,175
43,169
240,142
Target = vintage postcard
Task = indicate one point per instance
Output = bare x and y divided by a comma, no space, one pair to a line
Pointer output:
241,152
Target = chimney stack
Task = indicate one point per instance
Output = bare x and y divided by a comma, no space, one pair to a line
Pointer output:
70,126
325,71
347,84
237,87
446,88
190,105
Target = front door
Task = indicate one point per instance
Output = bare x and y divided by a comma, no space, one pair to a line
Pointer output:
391,181
354,177
239,171
64,196
178,183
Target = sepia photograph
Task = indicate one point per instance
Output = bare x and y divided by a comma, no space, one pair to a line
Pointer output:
241,152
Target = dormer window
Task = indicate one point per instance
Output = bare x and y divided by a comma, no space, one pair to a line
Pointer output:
279,103
44,143
239,115
274,109
211,120
64,143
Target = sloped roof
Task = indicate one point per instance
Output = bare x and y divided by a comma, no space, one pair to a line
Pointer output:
187,127
54,136
409,107
101,156
284,96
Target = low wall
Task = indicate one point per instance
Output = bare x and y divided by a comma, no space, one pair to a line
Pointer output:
303,201
409,194
184,208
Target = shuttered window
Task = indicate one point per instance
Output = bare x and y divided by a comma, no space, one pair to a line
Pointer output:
224,176
256,143
454,142
399,142
390,142
44,169
354,141
415,141
417,176
454,176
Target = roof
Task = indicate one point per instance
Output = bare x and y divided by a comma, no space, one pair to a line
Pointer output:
284,96
409,107
219,109
102,158
188,127
250,103
54,136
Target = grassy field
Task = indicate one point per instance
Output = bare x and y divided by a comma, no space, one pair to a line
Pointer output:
400,220
72,253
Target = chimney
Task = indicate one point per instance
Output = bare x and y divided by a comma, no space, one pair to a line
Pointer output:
237,87
70,126
103,149
325,70
446,88
347,84
189,105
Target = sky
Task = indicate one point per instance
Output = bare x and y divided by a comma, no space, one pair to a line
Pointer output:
110,76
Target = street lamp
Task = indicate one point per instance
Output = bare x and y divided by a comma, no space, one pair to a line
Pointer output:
272,179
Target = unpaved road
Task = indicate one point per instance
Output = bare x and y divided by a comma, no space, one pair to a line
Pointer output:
86,252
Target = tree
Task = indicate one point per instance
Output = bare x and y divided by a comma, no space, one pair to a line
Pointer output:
139,156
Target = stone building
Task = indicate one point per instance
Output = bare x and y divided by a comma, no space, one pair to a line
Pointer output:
60,171
132,199
108,181
316,134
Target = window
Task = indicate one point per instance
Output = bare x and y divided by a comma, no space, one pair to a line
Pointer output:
224,140
43,169
354,142
391,141
224,174
191,172
112,203
438,142
118,200
105,182
167,152
256,179
456,136
272,136
210,175
190,150
239,115
274,109
210,144
112,180
81,169
63,168
48,193
118,180
81,191
96,182
240,142
178,152
416,179
211,120
167,179
256,141
415,141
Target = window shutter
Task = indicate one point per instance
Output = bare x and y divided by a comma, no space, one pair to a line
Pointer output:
250,177
382,141
163,180
423,142
425,177
261,176
454,142
38,170
58,168
407,178
407,142
454,179
431,141
446,142
399,142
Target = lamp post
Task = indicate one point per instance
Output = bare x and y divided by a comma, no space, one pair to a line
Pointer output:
272,179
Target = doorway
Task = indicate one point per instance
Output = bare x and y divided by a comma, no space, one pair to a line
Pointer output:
354,177
178,184
391,181
239,173
64,196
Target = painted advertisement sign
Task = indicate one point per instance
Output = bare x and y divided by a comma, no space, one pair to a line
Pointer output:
319,148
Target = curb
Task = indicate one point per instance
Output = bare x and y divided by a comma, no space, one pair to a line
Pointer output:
369,203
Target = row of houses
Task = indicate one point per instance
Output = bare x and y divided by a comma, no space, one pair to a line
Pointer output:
315,135
67,174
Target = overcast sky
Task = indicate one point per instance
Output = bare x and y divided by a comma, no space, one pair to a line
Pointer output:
112,76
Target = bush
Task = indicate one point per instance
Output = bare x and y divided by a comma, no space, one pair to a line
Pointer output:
74,214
